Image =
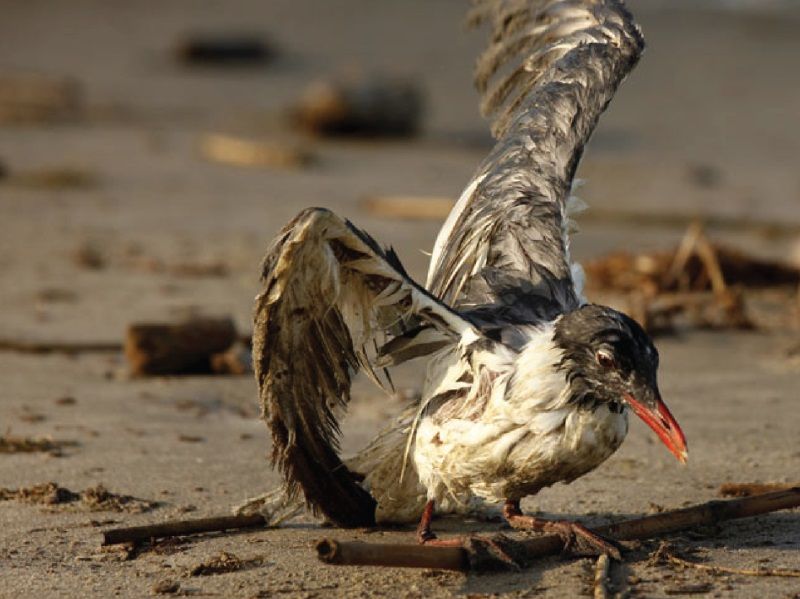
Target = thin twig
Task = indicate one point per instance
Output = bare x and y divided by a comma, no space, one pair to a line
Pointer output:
685,251
180,528
663,553
602,577
708,255
456,558
695,242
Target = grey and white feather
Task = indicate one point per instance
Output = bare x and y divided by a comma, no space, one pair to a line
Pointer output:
525,381
550,70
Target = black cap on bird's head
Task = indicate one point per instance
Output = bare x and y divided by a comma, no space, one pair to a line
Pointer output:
608,358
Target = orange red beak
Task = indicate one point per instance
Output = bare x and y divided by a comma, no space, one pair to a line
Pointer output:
660,419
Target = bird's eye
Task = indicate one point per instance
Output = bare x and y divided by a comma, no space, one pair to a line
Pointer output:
605,359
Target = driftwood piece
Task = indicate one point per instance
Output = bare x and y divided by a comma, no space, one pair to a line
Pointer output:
177,348
364,106
179,528
695,265
699,283
227,49
700,309
255,153
335,552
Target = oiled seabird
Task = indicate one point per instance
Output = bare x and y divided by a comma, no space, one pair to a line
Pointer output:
527,384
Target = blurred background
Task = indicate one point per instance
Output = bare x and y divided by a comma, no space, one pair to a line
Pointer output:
150,150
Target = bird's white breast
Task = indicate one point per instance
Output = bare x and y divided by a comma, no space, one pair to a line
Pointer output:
529,435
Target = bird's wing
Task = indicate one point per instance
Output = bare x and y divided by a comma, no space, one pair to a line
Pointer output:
330,295
550,70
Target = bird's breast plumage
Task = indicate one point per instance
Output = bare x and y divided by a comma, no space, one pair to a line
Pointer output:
528,434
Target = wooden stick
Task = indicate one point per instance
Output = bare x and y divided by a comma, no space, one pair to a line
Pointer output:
184,347
456,558
708,255
602,571
686,248
331,551
180,528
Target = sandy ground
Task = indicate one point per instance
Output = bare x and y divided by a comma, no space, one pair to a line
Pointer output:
717,92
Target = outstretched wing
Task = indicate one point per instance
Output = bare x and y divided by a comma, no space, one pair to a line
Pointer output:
553,66
330,297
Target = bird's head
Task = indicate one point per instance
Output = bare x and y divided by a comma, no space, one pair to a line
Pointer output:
608,358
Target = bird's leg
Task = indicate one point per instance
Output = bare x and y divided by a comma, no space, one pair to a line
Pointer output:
567,530
424,532
492,554
425,536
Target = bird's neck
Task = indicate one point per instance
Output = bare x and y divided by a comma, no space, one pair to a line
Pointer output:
537,381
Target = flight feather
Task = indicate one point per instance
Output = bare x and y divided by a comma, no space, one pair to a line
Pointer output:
550,69
331,297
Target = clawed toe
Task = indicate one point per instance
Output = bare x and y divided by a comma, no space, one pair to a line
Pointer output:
578,540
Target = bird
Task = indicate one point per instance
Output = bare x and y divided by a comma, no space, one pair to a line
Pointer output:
526,383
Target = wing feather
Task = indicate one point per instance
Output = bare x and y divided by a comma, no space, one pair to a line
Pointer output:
331,296
550,69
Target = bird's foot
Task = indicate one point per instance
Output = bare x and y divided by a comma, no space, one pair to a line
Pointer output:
578,539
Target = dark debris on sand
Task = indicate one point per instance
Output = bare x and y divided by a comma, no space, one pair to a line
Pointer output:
11,444
699,284
224,563
96,498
